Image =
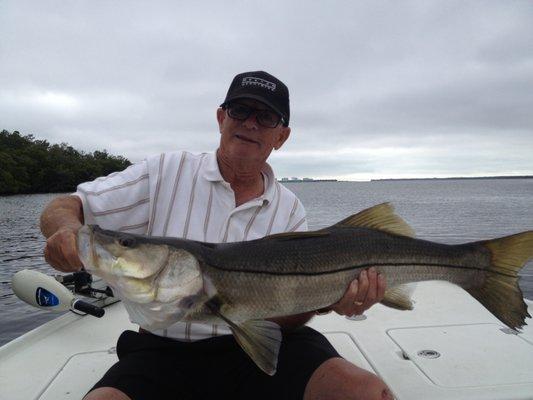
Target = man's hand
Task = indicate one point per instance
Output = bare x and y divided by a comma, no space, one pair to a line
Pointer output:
61,250
60,222
361,294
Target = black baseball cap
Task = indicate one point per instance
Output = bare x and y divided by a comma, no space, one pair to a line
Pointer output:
263,87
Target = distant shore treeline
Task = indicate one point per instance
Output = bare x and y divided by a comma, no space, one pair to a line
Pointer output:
28,165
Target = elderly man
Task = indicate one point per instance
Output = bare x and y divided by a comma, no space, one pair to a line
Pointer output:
229,195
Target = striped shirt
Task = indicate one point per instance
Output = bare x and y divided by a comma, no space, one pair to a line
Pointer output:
180,194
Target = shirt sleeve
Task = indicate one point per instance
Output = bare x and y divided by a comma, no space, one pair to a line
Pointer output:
119,201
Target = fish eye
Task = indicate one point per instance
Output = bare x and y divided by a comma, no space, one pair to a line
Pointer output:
127,241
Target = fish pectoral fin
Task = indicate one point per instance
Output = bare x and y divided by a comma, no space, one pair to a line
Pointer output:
260,339
380,217
399,297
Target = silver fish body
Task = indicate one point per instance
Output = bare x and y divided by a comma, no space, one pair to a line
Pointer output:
244,283
291,274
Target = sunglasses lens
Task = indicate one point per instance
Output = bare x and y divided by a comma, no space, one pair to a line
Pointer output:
266,118
239,111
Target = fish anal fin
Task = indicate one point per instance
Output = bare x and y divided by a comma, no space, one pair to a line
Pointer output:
380,217
260,339
399,297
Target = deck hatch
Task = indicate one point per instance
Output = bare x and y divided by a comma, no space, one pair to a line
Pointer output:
469,355
78,375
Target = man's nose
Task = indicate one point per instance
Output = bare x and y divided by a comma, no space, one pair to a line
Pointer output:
251,122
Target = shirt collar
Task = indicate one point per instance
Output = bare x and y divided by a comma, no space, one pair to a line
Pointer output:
270,184
212,173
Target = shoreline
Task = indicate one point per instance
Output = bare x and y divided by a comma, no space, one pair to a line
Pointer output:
411,179
455,178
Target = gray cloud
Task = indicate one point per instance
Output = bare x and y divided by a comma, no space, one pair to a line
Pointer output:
378,89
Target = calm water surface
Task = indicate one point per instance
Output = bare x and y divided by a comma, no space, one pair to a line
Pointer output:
451,211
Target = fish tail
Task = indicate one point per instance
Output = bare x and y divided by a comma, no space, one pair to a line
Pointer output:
500,292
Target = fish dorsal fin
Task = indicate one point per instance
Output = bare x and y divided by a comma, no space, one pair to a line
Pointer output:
260,339
380,217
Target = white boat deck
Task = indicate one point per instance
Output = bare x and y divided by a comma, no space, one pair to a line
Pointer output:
450,347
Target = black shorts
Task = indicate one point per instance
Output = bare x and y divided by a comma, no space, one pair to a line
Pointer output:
154,367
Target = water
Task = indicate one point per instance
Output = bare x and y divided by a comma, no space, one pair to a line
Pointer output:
451,211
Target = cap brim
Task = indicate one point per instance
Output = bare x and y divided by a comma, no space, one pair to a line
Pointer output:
258,98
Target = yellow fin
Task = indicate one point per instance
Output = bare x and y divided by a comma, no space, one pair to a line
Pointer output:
380,217
500,292
399,297
260,339
510,253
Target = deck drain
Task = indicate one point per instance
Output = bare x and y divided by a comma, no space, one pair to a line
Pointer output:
429,354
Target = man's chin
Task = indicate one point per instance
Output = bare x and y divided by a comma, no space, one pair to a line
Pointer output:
244,154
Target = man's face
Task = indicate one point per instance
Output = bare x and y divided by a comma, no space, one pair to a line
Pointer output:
247,139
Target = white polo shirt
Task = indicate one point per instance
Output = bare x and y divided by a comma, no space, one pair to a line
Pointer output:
180,194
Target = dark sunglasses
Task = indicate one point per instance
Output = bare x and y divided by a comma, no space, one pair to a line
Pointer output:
266,118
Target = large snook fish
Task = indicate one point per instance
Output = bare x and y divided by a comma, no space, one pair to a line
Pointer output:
165,280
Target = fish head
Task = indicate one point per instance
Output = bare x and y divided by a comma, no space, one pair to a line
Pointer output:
105,253
143,270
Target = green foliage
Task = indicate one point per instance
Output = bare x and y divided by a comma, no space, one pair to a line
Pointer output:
28,165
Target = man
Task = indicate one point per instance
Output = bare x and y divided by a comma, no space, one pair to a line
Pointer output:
231,195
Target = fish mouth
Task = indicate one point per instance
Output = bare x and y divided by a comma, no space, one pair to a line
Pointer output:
90,239
85,242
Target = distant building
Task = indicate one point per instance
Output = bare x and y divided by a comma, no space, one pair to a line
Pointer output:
296,180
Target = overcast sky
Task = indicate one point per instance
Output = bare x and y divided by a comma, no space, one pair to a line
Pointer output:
379,89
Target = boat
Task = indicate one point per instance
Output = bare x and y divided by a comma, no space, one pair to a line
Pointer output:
448,347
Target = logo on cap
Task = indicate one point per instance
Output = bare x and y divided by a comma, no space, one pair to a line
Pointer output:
250,80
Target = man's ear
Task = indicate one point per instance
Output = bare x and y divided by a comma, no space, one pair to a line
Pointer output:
221,115
283,135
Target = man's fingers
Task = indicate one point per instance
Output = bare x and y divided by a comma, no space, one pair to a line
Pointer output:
345,304
362,293
363,287
71,253
61,251
353,300
372,292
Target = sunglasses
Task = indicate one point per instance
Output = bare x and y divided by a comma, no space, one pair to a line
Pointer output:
266,118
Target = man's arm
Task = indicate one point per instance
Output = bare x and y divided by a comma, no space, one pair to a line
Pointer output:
60,222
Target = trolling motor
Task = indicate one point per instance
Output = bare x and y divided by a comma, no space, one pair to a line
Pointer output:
51,294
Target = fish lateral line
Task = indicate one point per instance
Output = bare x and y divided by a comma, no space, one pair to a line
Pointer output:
362,266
